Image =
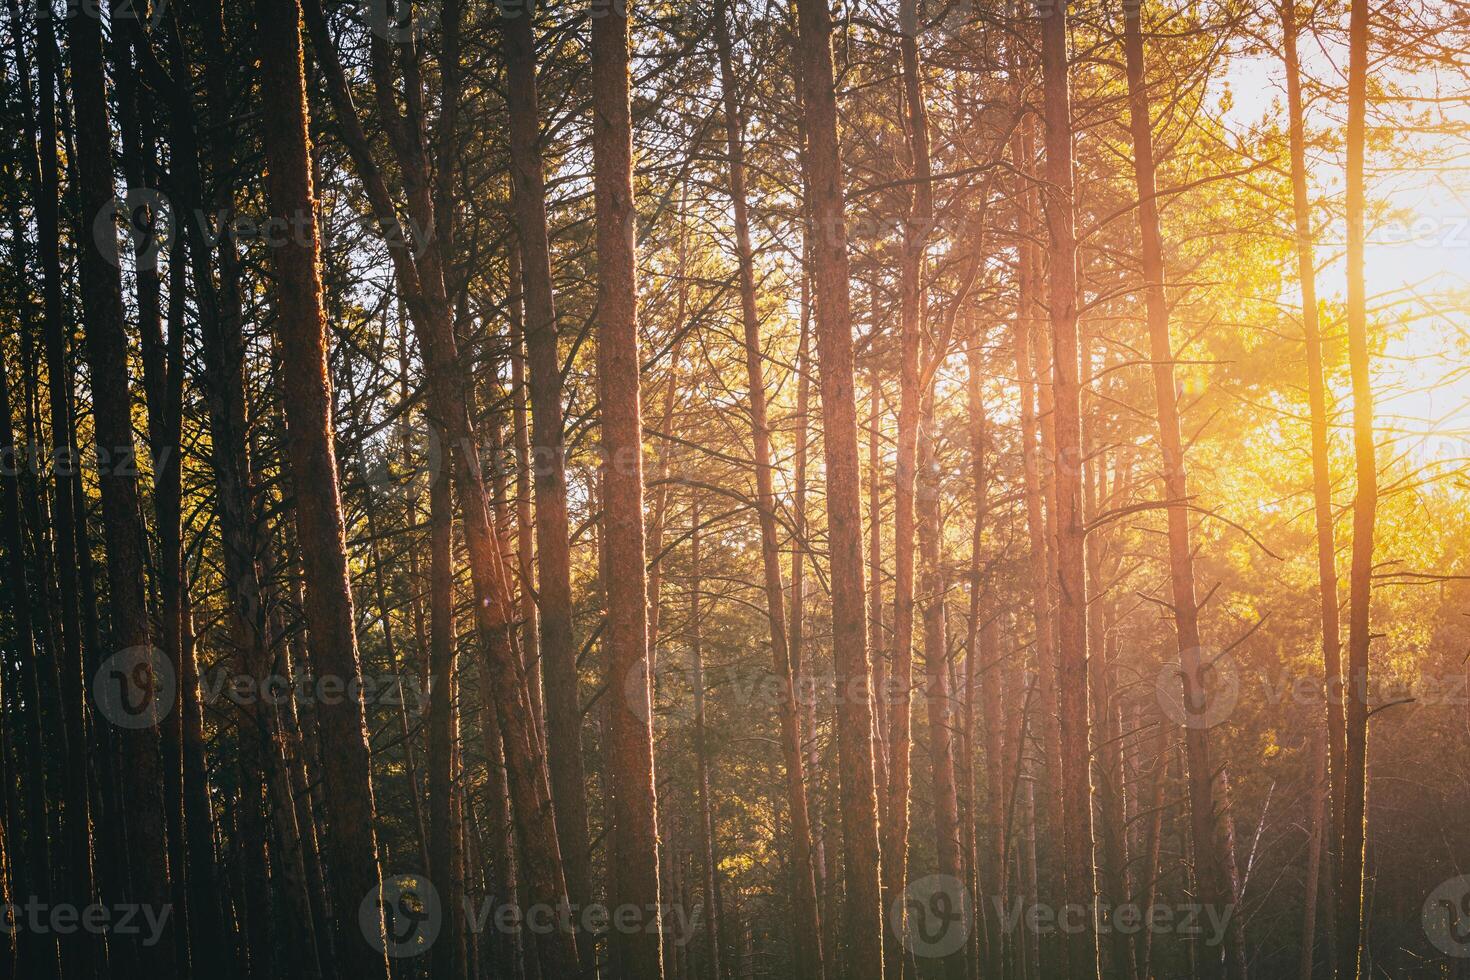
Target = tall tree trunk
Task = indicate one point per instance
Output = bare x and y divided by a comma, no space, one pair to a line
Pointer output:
352,846
910,409
709,883
862,958
441,720
636,952
83,958
548,457
1210,818
1076,771
39,954
1365,506
421,280
140,167
939,696
1336,745
807,932
107,353
1041,540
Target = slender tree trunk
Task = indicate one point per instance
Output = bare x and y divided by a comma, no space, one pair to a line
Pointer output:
807,931
1350,884
637,954
1076,771
39,954
1317,401
352,847
82,959
548,457
978,869
862,959
712,921
1316,845
441,719
910,409
1208,791
939,696
107,352
1038,525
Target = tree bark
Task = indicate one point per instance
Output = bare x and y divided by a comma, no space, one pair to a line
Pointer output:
1210,819
636,952
1350,884
1076,772
107,353
807,932
862,959
548,457
352,847
709,882
1336,745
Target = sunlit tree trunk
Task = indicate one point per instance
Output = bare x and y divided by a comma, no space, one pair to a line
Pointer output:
548,459
1210,819
1076,771
807,930
1350,883
1336,738
635,883
862,957
895,837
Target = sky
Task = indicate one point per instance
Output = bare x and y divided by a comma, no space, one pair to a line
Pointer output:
1417,262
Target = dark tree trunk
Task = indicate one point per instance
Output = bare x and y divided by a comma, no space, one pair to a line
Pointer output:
548,459
352,847
107,353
